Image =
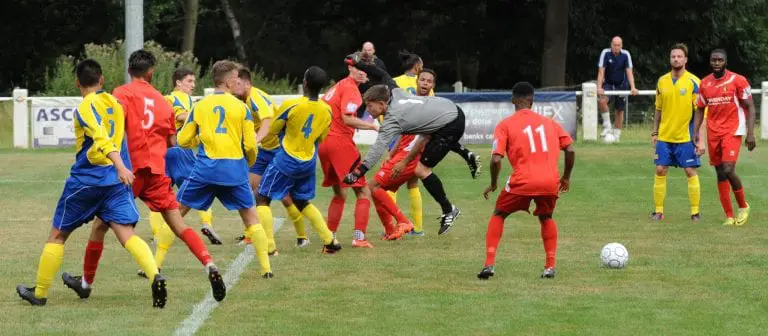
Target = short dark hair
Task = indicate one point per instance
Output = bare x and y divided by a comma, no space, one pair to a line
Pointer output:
378,92
244,73
180,74
429,71
522,90
408,60
140,62
88,73
680,46
316,79
221,70
720,51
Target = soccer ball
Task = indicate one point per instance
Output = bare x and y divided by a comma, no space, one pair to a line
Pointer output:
609,138
614,255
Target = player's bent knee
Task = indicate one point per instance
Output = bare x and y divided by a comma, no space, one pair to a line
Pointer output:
662,170
500,213
263,200
544,217
300,204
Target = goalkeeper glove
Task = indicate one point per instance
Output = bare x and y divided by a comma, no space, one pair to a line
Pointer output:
355,174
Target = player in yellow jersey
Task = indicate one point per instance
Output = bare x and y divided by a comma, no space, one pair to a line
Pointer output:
412,66
99,185
301,123
676,94
221,127
263,111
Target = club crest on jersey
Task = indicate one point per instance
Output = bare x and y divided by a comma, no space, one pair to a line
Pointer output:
683,91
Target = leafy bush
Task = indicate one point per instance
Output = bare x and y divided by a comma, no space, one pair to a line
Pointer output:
61,80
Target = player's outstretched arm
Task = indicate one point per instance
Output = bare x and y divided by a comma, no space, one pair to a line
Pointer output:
570,160
187,137
352,121
495,167
376,73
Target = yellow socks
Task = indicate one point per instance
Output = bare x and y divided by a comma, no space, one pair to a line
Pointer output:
392,194
206,216
298,221
259,242
267,221
660,192
50,261
164,238
416,212
143,256
318,223
694,193
156,222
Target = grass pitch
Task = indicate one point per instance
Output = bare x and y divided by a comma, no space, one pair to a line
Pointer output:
682,278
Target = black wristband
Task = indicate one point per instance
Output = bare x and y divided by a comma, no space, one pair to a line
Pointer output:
654,133
363,169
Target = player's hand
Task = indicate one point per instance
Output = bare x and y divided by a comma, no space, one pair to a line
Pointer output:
125,176
654,139
376,127
397,169
700,149
633,92
600,91
750,142
491,188
355,174
565,185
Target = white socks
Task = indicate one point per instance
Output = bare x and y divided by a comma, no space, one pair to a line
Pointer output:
606,119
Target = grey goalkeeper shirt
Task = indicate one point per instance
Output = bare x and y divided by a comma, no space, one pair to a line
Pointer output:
409,114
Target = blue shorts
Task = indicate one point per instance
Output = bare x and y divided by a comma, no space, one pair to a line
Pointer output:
199,195
619,102
179,163
276,185
79,203
681,155
263,159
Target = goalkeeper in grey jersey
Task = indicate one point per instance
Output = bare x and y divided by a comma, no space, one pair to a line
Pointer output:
438,121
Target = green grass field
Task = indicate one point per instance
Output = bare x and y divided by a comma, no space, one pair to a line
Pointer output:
682,278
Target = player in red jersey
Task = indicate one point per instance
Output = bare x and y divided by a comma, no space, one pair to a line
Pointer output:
528,141
149,126
338,154
726,95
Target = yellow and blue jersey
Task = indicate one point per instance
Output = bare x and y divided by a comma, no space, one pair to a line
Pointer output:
262,107
182,103
676,99
99,130
301,124
221,127
409,83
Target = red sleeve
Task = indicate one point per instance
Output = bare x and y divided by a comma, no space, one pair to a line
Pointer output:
563,137
350,100
743,89
500,140
701,101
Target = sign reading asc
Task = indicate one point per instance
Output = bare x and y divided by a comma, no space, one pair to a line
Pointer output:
52,121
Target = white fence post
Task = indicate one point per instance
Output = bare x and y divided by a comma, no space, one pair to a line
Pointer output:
589,111
20,119
764,112
458,87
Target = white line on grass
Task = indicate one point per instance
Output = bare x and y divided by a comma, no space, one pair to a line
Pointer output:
203,310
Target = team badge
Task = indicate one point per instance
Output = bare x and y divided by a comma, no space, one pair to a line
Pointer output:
683,91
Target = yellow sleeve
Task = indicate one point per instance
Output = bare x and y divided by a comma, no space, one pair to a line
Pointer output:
659,98
696,88
260,108
187,137
279,122
249,137
326,130
88,120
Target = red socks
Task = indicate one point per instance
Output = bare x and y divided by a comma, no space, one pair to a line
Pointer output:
740,199
362,212
385,217
196,246
724,189
492,238
91,262
383,199
549,237
335,210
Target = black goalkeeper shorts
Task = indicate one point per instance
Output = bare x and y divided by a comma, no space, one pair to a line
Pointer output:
443,140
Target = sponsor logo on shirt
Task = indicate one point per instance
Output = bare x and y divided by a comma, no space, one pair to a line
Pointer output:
351,107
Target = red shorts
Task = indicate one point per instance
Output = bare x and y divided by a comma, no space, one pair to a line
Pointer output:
338,157
384,176
725,149
510,203
155,190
